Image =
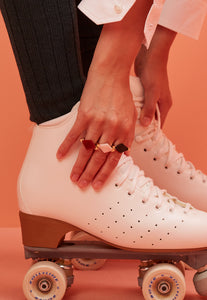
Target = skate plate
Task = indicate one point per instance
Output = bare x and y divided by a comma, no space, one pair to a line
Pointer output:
95,249
161,274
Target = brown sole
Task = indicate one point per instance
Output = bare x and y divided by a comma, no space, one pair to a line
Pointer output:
44,232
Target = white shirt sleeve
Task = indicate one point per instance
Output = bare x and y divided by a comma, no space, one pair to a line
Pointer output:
184,16
107,11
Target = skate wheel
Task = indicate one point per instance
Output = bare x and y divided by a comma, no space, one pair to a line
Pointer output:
86,263
200,283
163,281
45,280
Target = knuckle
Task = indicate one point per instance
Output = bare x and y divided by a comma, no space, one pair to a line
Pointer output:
112,121
81,161
84,115
77,170
149,110
150,104
98,120
127,125
150,86
98,158
113,160
88,175
103,176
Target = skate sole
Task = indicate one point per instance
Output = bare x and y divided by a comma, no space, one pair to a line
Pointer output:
44,232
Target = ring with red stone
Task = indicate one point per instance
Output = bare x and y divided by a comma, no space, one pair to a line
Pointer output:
121,148
88,144
107,148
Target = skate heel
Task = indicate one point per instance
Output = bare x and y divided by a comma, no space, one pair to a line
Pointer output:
43,232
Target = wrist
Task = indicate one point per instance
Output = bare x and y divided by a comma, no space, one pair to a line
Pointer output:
106,76
161,43
119,42
113,55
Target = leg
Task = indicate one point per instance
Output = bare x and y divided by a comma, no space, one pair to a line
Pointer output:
44,37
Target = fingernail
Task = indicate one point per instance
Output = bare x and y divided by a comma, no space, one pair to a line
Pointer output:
146,121
74,177
82,183
97,185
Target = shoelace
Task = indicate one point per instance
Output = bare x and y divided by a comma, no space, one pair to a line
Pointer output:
155,136
128,171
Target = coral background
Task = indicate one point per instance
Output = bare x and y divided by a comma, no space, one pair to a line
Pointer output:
186,125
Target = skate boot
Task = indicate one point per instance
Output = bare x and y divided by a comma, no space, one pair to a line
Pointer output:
153,152
130,212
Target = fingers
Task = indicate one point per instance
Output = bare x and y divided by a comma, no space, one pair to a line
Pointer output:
153,96
102,167
148,111
164,106
86,166
83,159
75,132
95,166
106,170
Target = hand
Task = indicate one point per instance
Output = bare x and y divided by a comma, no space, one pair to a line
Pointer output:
154,78
106,115
151,66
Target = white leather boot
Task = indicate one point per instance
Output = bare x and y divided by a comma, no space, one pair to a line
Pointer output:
129,212
153,152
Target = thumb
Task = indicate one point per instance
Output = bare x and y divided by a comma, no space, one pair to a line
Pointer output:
148,110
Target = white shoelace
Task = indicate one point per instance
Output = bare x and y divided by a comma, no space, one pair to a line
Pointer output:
155,136
128,171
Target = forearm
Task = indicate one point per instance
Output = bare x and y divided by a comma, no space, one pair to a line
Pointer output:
119,42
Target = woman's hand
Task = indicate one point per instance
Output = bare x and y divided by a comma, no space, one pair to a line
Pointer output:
151,67
152,72
106,115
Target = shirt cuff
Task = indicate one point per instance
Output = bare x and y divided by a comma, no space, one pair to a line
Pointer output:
186,16
105,11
